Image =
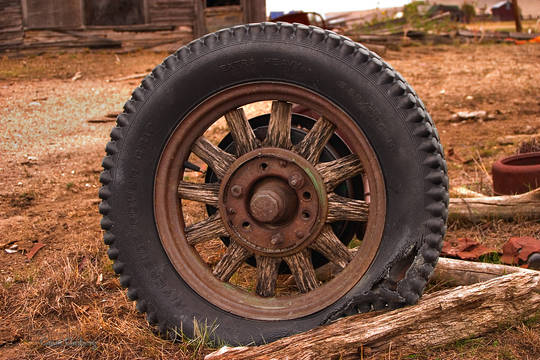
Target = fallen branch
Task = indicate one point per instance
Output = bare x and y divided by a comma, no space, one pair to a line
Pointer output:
101,120
129,77
524,206
438,319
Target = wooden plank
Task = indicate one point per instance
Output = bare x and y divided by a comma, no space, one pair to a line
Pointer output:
254,10
11,30
174,12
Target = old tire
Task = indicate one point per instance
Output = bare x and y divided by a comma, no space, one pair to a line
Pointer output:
390,166
516,174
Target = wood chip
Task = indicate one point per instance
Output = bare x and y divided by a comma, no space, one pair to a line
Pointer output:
37,246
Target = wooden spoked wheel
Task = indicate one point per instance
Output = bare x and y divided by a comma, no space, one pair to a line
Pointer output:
274,201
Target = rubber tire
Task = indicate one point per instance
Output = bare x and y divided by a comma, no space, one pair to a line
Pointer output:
516,174
386,109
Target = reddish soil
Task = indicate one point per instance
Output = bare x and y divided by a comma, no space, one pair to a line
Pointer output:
66,301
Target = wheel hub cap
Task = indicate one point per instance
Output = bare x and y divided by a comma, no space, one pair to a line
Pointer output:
273,202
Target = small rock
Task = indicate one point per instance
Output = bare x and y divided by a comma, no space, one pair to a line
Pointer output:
534,261
526,130
469,97
34,103
12,249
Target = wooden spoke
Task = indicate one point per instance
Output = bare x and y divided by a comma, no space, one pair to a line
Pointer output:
218,159
342,208
337,171
206,229
267,272
279,129
329,245
302,270
241,131
205,193
231,261
313,143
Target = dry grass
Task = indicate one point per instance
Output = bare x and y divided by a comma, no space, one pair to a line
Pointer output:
72,307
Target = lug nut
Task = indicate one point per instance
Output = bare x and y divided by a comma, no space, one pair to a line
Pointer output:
231,211
299,234
296,181
276,239
236,190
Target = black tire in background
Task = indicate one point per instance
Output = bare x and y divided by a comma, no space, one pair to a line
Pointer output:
385,108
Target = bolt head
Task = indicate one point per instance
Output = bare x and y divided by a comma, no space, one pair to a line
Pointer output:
296,181
299,234
265,206
236,190
276,239
231,211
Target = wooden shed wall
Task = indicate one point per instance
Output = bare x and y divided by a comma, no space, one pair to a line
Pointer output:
11,29
171,12
53,14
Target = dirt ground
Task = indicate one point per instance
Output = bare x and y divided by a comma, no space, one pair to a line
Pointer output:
66,301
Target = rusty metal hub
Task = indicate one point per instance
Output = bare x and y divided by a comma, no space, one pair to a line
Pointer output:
273,202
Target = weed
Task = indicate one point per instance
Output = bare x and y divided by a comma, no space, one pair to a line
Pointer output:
532,145
69,185
492,258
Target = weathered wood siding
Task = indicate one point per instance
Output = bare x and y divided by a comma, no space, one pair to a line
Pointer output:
171,12
60,14
254,10
11,30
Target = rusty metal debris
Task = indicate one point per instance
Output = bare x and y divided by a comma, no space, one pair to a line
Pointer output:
465,248
518,250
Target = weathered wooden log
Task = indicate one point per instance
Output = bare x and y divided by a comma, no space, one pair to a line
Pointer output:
451,271
438,319
513,139
523,206
460,272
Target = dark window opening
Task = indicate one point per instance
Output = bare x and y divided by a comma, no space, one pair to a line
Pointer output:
113,12
211,3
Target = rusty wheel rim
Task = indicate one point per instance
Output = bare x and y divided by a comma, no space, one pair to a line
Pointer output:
274,206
